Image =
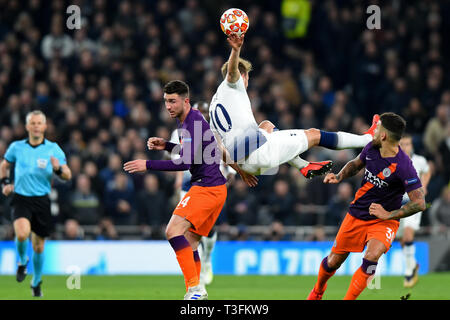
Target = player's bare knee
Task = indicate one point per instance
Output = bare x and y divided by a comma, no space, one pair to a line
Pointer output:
334,260
38,245
407,239
332,264
313,136
22,233
267,126
38,248
375,248
173,231
22,236
168,233
372,255
408,235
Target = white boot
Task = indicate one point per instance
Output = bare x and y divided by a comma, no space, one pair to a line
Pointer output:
196,293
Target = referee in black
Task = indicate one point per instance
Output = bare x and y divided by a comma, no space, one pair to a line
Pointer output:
36,160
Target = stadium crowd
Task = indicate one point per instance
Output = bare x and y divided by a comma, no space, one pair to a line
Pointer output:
101,89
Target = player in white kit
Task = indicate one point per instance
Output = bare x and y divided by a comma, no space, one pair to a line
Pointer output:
183,184
258,149
411,224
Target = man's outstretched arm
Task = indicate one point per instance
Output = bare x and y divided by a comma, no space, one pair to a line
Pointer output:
236,43
349,170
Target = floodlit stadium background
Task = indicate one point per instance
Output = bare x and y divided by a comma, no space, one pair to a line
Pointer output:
319,66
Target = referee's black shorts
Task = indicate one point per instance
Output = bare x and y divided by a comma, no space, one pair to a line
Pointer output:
36,210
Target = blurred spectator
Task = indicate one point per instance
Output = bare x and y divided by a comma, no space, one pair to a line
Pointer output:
308,118
241,205
106,230
91,170
414,79
436,184
398,99
281,202
443,155
440,212
339,113
318,234
82,42
338,205
95,153
276,232
119,200
416,119
57,44
114,166
73,230
435,130
85,205
432,94
75,163
308,76
101,87
367,74
326,91
123,107
124,148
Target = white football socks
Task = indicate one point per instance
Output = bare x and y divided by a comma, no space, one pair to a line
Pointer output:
298,163
349,140
409,252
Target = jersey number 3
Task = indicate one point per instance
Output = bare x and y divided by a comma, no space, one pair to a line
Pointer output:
390,234
217,123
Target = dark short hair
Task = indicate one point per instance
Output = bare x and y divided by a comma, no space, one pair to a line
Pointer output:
177,86
407,135
393,123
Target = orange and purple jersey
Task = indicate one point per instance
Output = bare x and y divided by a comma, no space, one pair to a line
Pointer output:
198,151
385,182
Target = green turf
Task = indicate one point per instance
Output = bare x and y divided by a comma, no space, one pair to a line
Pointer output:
432,286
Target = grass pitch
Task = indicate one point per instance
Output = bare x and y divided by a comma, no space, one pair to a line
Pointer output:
430,287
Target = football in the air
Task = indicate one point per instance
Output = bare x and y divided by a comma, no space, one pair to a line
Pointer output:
234,21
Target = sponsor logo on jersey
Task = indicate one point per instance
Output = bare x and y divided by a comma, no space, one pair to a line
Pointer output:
373,179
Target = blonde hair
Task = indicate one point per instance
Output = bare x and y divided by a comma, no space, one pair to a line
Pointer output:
244,66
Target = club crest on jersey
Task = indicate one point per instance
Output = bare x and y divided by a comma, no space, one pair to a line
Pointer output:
387,172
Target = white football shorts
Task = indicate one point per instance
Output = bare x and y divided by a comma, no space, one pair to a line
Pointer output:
281,146
411,222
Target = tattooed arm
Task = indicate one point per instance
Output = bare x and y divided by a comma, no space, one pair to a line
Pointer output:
416,204
349,170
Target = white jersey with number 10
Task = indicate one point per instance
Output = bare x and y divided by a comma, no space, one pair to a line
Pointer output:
231,116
